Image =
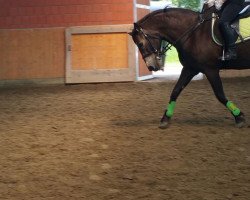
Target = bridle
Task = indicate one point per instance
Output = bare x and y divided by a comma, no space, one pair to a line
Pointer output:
158,52
183,38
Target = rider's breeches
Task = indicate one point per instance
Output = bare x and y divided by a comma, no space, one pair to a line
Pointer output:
230,10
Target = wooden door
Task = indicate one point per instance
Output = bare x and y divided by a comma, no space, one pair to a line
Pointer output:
99,54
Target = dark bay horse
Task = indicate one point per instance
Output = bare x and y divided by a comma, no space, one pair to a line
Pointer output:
190,33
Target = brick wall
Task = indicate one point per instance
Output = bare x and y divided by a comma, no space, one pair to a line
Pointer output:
145,2
140,13
17,14
32,32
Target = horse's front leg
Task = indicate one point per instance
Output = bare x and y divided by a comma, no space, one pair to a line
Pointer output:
215,81
185,77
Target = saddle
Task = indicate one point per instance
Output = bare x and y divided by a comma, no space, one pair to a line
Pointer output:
241,27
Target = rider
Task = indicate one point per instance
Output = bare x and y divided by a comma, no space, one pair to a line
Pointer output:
229,11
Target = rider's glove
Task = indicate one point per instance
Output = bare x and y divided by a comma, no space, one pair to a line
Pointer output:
218,4
210,3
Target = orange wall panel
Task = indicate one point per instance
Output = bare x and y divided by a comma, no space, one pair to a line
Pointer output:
34,46
32,53
99,51
143,70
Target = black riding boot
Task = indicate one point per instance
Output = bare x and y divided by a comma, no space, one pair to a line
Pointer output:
229,40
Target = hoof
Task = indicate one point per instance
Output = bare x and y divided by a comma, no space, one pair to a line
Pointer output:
164,125
165,121
240,120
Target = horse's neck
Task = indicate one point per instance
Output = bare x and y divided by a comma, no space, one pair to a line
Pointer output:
172,24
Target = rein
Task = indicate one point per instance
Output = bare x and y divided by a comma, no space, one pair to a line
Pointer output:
188,33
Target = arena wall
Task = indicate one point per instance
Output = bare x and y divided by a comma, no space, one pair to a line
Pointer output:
32,33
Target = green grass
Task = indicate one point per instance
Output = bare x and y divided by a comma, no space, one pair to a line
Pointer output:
172,56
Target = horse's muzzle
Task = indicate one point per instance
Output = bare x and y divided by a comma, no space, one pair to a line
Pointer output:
153,68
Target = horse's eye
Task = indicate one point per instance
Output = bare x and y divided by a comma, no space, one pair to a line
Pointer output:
140,45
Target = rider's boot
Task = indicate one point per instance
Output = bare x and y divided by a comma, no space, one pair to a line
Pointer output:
230,47
230,53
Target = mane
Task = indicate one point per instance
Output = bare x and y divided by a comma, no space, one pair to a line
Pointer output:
165,10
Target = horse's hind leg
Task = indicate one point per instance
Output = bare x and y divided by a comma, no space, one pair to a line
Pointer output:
215,81
185,77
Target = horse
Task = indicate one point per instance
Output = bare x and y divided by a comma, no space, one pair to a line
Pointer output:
190,33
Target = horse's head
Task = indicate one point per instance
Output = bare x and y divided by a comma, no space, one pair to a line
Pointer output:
149,45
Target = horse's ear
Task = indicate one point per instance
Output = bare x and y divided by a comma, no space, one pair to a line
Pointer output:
132,30
136,25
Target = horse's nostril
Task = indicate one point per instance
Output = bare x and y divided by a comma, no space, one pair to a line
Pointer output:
151,68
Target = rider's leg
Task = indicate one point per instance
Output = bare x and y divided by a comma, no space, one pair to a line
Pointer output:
229,13
229,41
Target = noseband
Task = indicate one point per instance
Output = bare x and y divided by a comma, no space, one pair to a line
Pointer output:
158,52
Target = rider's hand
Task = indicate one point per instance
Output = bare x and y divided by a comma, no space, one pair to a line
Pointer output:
218,4
210,3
